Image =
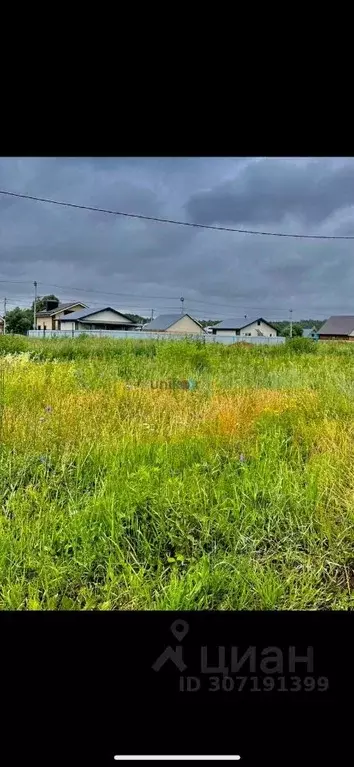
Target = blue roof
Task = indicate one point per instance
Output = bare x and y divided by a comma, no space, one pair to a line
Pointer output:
164,321
83,313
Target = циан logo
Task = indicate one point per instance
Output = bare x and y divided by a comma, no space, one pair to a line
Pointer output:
179,630
263,669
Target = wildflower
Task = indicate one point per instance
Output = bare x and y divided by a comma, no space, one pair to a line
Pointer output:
242,458
42,419
48,408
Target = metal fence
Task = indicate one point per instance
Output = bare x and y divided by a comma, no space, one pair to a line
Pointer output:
148,335
257,340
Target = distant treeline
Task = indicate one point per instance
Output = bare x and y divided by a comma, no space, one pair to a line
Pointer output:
283,327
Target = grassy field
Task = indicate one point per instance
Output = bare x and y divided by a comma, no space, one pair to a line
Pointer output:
117,493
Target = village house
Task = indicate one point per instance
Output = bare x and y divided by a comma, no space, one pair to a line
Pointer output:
50,317
310,333
174,323
104,318
337,328
245,326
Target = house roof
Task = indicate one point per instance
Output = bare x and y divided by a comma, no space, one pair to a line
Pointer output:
240,322
85,313
165,321
338,326
59,308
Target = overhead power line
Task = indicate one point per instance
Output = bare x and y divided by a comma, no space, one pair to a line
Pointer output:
143,302
157,298
139,300
174,221
89,290
143,307
109,293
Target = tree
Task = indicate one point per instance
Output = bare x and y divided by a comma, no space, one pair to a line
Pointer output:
208,323
137,318
283,326
19,320
297,330
41,302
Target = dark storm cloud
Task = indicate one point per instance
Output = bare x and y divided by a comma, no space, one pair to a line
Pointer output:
218,273
271,189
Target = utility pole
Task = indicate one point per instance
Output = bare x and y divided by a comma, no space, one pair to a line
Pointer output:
4,316
152,315
182,301
291,323
35,306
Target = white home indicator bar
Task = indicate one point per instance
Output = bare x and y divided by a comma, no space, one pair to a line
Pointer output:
178,758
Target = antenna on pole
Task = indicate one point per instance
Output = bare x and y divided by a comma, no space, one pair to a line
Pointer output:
291,323
182,301
35,306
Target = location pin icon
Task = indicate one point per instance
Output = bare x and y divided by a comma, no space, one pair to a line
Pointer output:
179,629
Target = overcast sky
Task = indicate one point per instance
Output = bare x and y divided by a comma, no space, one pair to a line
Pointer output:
220,274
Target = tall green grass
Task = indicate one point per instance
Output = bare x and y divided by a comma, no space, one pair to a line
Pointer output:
237,494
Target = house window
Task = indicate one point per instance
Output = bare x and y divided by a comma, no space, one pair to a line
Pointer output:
258,322
39,327
270,334
248,334
44,327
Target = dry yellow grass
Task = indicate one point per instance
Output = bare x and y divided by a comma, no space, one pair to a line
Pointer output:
72,416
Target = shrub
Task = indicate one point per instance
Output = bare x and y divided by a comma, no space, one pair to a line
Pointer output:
301,345
12,344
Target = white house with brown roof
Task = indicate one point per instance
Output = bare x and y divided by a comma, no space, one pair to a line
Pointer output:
50,318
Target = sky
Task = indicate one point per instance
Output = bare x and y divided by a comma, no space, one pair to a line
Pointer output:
138,266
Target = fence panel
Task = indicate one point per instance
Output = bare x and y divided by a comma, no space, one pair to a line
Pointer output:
146,335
